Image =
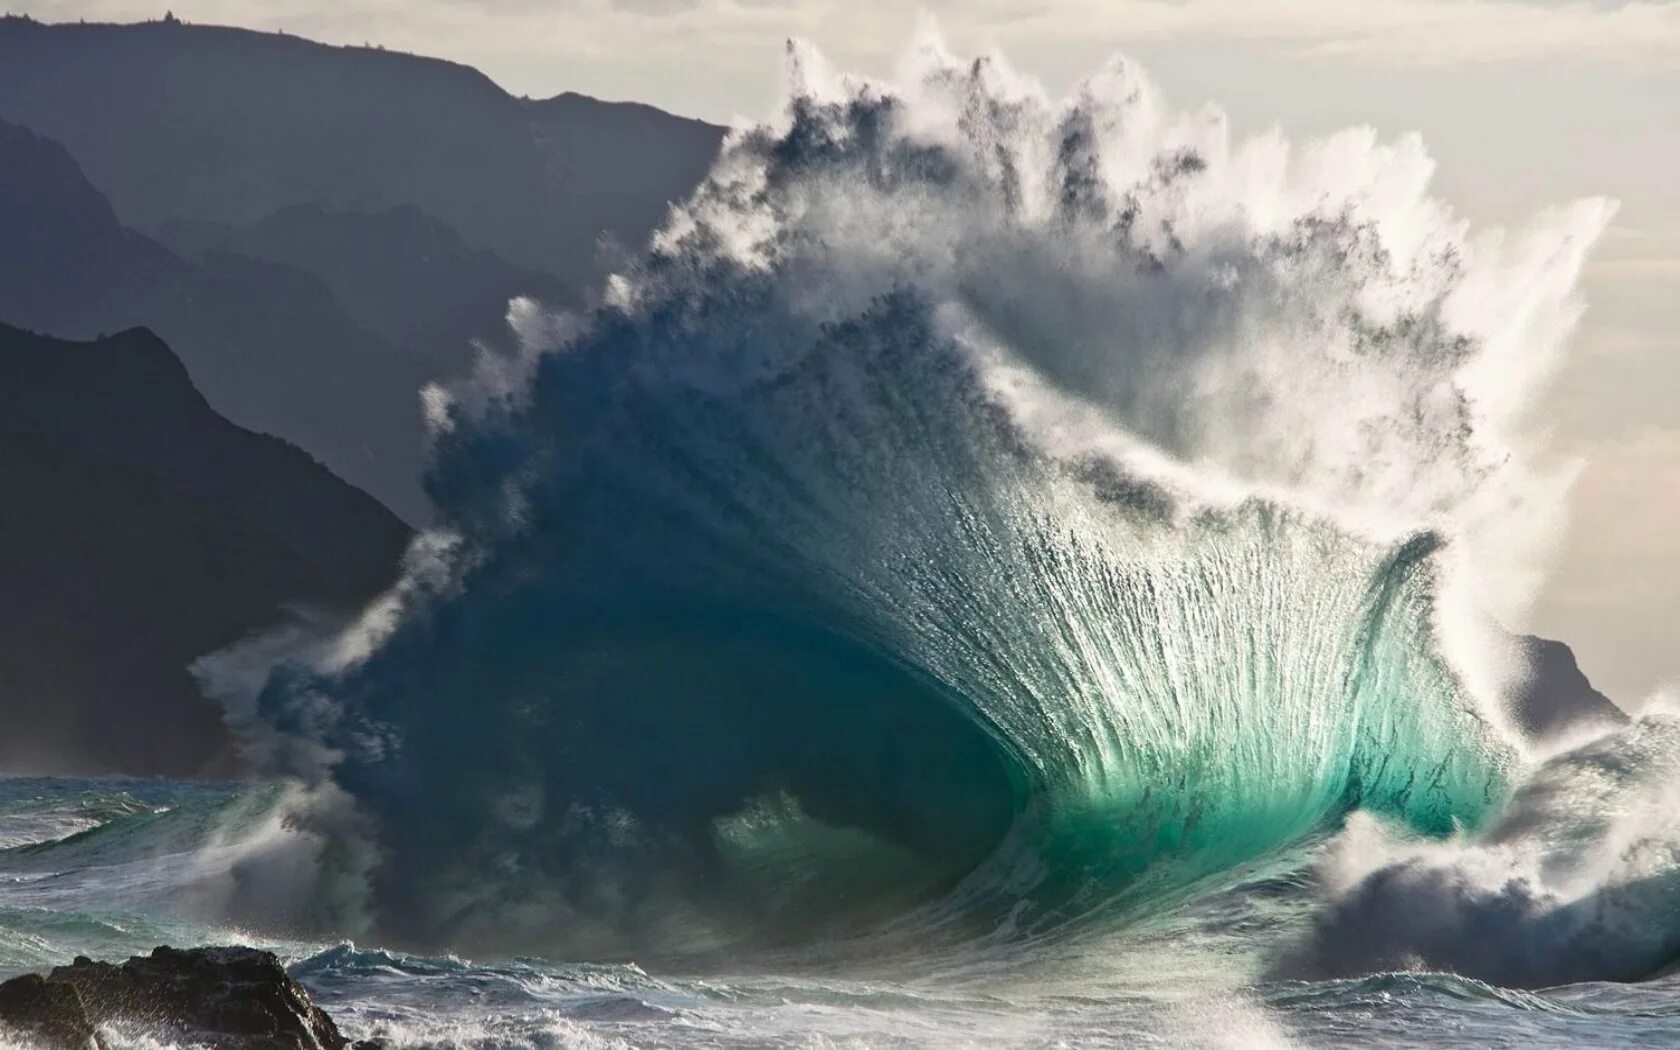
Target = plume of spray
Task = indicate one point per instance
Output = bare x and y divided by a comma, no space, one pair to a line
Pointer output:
1576,880
969,492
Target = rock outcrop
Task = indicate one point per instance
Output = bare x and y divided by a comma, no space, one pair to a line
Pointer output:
218,998
1553,695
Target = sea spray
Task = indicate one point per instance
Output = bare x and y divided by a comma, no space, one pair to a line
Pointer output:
975,507
1576,880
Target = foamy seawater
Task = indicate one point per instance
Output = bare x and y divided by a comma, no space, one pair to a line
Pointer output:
1195,980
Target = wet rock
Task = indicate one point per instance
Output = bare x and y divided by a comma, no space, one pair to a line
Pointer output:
218,998
50,1013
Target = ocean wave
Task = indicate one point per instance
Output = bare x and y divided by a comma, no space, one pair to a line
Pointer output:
977,515
31,816
1576,880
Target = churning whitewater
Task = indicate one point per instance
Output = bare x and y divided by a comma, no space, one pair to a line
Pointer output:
979,515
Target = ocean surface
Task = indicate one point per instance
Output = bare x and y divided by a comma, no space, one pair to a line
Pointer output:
96,867
1000,570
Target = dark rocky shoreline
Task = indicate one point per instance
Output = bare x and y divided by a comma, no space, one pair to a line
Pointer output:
220,998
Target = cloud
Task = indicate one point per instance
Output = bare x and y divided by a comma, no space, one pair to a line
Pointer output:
1616,595
1639,33
717,58
1630,506
1446,31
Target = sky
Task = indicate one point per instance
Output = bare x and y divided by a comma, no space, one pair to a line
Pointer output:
1524,103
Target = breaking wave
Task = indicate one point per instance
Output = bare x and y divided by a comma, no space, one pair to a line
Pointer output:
1576,880
978,514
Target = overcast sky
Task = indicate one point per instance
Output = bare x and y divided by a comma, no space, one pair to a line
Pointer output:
1523,102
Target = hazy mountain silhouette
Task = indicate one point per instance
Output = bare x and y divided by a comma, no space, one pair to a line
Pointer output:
341,220
179,122
267,344
139,530
400,272
1554,695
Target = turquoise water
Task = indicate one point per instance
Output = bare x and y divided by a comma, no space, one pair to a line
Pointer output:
1189,978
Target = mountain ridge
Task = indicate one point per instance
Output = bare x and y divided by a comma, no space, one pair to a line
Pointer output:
178,121
401,273
1553,695
140,530
267,344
